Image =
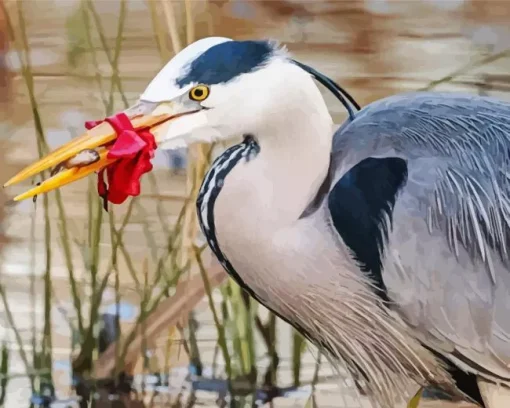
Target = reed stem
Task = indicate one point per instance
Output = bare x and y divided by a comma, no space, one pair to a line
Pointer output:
220,329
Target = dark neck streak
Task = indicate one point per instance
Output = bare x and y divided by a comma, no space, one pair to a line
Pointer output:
209,192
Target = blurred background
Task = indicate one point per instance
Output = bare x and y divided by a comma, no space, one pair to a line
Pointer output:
126,308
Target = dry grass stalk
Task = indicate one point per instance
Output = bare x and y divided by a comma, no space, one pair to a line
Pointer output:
3,103
4,72
168,10
3,198
197,154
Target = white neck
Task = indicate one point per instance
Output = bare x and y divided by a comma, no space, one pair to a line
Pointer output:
289,170
273,189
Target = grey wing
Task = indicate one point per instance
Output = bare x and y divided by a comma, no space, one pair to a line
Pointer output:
444,249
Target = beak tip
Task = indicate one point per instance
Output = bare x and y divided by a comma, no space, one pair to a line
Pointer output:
22,197
12,181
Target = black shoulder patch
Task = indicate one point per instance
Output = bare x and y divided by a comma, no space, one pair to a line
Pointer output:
359,203
223,62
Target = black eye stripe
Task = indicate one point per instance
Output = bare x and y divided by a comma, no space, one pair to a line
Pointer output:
226,61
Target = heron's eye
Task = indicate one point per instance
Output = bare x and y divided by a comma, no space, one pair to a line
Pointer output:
199,93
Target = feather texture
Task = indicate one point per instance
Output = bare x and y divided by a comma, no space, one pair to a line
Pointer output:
447,266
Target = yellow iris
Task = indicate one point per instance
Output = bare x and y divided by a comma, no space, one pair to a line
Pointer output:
199,93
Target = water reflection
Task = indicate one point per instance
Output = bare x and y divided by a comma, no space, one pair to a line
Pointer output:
164,387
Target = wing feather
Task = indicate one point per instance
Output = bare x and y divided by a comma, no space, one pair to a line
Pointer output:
446,264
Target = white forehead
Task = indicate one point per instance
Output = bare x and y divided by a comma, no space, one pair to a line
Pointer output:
163,87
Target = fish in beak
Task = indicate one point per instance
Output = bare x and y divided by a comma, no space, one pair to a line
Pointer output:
91,152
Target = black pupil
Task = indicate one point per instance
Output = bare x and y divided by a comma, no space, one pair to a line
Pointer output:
199,93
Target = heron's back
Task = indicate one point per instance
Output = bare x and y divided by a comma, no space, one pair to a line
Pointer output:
446,263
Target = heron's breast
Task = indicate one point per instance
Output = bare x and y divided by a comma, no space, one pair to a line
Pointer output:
284,262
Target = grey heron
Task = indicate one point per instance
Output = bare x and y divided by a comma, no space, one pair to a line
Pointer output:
383,242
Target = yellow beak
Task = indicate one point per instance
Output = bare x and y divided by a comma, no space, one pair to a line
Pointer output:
96,139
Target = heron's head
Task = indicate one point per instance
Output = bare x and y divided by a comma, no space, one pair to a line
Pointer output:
217,88
213,89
